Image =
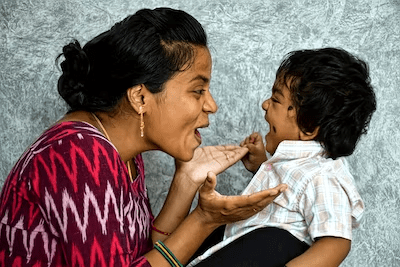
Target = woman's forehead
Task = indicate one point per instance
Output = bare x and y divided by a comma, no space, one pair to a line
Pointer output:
199,70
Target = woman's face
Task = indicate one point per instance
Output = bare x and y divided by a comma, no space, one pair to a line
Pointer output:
171,123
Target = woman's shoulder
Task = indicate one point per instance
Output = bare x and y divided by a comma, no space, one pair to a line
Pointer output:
67,129
65,134
66,140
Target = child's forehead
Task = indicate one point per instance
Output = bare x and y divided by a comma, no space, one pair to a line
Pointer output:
286,82
278,89
281,86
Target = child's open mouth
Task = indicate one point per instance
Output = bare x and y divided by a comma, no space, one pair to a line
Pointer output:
197,134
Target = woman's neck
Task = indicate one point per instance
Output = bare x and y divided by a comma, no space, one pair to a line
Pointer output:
122,130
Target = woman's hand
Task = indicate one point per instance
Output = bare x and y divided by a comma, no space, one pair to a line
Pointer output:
210,158
187,180
219,209
256,156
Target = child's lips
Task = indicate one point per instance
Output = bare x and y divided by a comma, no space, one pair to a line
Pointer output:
197,134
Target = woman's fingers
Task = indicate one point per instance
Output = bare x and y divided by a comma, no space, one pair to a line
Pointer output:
237,153
227,209
252,205
257,199
229,154
230,148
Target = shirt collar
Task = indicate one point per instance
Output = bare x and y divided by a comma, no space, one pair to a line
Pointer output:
296,149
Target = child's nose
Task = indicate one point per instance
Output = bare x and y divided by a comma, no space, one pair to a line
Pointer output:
265,104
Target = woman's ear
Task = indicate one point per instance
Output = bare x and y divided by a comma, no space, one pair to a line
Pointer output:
307,136
136,96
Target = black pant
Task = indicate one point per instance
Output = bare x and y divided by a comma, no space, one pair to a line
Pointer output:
264,247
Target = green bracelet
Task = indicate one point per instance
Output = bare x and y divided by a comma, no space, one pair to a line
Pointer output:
167,254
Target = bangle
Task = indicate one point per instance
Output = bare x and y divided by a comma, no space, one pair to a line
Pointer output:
159,231
167,254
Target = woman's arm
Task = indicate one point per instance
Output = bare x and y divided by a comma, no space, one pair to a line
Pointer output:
187,180
212,211
176,206
326,251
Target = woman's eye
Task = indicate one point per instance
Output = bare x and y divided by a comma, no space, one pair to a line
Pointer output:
200,92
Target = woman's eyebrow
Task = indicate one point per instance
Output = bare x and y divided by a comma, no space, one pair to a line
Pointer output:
200,77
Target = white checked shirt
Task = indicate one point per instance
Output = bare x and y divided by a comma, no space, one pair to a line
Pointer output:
321,199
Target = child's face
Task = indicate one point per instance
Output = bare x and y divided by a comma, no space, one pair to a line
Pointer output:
281,117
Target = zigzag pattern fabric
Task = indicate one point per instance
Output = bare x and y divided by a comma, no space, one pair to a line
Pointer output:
69,201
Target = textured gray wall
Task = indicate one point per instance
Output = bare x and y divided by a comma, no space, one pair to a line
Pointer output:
248,40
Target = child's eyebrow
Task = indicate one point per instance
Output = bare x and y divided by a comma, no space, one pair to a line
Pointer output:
276,90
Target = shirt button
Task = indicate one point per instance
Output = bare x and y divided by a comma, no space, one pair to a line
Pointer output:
268,167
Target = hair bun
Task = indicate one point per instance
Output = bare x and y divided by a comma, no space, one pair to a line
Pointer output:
75,68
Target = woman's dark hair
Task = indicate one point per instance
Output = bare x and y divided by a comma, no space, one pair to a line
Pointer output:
147,48
330,89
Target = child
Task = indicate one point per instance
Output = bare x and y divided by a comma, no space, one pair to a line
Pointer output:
322,102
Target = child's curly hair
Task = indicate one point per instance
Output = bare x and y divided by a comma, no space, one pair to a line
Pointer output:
330,89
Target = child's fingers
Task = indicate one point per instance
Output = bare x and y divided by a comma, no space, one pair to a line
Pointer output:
251,139
256,137
245,141
258,140
256,148
251,147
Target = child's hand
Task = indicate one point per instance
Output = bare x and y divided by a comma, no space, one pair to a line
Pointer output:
252,160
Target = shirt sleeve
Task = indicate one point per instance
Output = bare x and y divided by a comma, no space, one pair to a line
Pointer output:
85,202
326,208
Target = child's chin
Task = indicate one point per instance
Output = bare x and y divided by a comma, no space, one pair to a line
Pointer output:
269,150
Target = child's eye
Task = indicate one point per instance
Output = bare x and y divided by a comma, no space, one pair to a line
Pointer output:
274,100
200,91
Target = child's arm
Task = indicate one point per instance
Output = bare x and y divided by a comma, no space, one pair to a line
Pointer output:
326,251
252,160
328,210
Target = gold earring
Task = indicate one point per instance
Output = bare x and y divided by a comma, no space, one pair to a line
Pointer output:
141,121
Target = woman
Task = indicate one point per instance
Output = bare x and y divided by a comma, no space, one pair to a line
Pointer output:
77,196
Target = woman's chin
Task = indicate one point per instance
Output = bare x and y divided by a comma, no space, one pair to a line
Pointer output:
185,155
188,154
184,158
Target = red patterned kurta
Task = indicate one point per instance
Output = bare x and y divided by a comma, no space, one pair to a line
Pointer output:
69,202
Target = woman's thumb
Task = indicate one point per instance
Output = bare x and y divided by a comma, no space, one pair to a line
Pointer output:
210,182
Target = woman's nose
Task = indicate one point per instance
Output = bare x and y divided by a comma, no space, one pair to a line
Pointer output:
209,104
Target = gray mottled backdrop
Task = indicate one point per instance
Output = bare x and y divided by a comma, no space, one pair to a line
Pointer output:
247,40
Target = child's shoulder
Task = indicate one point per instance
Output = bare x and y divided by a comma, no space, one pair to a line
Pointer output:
332,176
